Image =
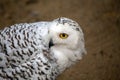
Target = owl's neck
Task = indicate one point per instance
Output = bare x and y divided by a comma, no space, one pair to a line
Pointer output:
64,57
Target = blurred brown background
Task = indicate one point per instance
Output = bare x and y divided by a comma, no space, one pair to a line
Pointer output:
100,20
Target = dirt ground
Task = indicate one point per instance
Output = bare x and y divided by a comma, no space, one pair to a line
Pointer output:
100,20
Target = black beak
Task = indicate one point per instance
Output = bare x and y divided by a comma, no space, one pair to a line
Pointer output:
51,43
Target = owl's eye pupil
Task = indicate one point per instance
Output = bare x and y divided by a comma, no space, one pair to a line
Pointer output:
63,35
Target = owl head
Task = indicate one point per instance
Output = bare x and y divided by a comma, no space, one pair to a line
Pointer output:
66,42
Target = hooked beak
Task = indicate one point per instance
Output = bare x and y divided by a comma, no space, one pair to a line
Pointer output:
51,43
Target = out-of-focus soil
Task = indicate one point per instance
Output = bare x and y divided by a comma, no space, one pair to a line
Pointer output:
100,20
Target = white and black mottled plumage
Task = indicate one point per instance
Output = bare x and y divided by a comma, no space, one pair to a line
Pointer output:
35,51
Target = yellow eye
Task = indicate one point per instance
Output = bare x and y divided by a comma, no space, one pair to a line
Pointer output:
63,35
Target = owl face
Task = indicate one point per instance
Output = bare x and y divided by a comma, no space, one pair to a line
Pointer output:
64,36
67,41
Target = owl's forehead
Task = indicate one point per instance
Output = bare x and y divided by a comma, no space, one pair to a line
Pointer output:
67,23
63,21
60,27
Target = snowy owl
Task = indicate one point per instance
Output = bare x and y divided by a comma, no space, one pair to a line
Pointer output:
40,50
